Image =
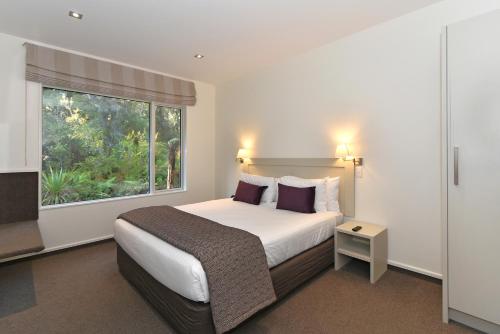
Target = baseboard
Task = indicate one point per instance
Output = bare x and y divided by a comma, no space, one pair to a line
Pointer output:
80,243
59,248
473,322
415,269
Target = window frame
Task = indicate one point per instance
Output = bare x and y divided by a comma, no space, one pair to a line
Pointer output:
152,168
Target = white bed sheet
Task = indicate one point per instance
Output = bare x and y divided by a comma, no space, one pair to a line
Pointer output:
284,234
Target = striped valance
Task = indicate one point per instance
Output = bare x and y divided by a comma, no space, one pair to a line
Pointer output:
71,71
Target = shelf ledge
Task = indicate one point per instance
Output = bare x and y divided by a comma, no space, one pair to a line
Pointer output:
354,254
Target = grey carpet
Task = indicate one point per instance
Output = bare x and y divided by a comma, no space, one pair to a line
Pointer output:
81,291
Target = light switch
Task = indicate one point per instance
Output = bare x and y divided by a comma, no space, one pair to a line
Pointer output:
358,172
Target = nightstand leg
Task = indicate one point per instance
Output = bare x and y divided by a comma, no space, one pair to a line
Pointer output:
378,263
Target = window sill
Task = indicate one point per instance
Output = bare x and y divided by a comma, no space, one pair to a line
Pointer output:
115,199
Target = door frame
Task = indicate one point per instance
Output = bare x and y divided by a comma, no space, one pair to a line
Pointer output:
445,140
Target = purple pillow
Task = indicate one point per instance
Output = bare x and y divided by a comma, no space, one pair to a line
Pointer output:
296,199
249,193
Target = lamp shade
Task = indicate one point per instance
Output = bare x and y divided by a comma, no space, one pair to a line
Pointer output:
343,152
242,153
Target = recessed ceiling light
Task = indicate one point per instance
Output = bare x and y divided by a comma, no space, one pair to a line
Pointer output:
75,15
198,56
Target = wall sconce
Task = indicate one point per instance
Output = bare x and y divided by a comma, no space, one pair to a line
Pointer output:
242,155
344,152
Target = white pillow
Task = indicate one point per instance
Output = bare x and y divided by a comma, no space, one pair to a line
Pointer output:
332,193
269,194
320,184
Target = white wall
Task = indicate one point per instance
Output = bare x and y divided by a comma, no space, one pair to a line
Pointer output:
19,141
380,90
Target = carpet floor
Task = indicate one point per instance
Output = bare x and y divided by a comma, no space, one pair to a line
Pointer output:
81,291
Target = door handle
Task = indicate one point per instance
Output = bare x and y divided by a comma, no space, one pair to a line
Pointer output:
455,165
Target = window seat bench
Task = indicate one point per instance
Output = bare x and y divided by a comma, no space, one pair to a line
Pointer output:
19,232
20,238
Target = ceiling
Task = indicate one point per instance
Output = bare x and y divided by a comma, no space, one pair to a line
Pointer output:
236,36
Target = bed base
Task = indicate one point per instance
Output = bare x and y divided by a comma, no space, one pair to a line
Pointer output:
187,316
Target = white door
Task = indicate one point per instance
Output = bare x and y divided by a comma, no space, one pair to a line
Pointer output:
474,196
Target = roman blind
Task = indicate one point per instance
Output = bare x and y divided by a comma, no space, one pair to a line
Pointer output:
66,70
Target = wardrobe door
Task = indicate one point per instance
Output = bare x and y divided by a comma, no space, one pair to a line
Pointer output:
474,167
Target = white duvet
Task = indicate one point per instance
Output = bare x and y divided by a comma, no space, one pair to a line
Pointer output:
284,234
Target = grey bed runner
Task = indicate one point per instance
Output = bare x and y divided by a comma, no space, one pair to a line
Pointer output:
234,260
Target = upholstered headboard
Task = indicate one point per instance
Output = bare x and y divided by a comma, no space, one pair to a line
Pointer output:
310,168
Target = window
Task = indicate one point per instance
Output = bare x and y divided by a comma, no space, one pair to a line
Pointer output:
168,148
96,147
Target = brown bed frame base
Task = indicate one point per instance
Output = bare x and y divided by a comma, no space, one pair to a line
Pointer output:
187,316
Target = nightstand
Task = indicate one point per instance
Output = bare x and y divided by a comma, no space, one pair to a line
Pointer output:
368,244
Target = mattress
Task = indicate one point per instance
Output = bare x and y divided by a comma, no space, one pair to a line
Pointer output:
284,234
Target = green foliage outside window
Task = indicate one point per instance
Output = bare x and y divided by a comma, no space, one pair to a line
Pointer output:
96,147
168,148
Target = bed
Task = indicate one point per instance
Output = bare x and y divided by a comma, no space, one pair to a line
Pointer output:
297,246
